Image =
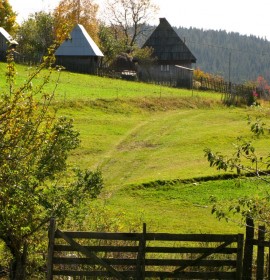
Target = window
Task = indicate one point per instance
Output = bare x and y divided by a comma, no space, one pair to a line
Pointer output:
165,68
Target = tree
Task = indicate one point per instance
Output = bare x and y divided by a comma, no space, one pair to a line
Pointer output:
35,180
130,17
7,16
35,35
245,161
68,13
263,86
111,43
143,57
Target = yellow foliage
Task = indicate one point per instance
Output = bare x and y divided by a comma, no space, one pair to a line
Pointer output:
7,16
199,74
71,12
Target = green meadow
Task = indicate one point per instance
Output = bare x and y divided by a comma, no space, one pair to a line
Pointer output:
149,142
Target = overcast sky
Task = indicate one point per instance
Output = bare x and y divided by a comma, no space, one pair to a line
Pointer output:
247,17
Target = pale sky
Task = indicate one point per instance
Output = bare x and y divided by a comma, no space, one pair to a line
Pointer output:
247,17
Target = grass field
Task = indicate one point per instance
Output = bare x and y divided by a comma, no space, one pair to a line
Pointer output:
138,133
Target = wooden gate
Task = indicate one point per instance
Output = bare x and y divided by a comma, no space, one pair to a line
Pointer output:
143,255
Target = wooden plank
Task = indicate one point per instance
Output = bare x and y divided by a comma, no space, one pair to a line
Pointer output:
191,275
152,236
248,250
140,265
192,237
189,263
268,264
96,248
51,232
100,235
260,254
97,273
156,249
148,262
262,243
189,250
89,254
91,261
239,266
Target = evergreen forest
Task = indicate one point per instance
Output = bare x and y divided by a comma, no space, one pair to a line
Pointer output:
238,58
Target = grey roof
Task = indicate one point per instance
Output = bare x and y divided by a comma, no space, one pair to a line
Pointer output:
79,44
7,36
167,45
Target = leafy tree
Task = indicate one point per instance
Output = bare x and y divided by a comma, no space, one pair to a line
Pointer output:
245,161
143,57
129,17
7,17
68,13
35,35
111,42
35,180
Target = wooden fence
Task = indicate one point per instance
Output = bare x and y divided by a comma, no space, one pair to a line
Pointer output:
143,255
233,94
256,263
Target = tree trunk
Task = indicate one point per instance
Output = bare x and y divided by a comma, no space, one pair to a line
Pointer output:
18,265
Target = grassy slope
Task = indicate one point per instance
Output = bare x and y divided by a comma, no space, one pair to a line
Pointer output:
141,147
138,133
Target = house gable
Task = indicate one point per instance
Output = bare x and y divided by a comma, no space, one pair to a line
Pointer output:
168,46
79,44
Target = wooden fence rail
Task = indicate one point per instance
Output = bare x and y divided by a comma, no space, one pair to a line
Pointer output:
233,94
143,255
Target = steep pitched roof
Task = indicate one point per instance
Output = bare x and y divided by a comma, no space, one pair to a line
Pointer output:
167,45
79,44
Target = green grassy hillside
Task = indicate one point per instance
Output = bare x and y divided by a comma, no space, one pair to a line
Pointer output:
139,135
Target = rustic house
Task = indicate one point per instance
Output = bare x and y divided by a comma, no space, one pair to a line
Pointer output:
79,53
6,42
170,52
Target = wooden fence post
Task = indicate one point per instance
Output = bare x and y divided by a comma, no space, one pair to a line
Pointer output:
141,256
51,234
260,253
268,264
239,267
248,251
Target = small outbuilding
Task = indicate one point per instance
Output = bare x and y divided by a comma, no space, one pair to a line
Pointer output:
79,53
170,52
6,43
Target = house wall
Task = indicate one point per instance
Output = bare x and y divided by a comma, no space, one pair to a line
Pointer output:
167,74
3,47
3,43
80,64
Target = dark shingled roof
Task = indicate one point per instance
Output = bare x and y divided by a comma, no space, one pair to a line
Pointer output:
168,46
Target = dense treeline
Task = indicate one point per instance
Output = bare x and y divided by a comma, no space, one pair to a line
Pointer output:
231,55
